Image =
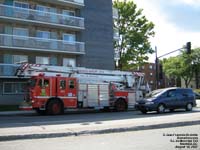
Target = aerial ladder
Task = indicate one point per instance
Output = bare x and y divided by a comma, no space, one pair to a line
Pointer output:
129,79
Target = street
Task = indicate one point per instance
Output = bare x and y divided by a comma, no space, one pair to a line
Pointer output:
141,140
83,118
25,125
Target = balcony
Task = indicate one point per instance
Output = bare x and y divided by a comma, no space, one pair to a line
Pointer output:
72,3
8,70
30,16
39,44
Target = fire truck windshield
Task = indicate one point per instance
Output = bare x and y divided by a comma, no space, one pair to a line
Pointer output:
32,82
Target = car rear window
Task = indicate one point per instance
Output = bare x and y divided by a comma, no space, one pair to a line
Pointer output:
184,92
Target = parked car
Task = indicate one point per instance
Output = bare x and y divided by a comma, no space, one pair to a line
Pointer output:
168,98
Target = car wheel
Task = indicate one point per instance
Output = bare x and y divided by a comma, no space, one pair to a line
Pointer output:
172,110
161,108
189,107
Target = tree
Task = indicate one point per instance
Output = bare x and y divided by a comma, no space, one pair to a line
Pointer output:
196,64
170,66
180,67
186,68
135,31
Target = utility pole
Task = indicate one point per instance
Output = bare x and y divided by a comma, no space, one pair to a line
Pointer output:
156,63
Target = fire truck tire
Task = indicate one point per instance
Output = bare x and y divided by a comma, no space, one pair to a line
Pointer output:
54,107
120,105
41,112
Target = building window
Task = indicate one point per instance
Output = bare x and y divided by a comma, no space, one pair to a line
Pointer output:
22,7
151,82
68,12
43,10
17,59
42,60
142,67
14,87
70,62
20,32
21,4
69,37
150,67
43,34
151,74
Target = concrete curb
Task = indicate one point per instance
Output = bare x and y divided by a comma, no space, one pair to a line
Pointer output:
95,132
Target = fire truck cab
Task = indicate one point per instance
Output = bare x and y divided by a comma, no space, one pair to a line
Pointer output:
52,94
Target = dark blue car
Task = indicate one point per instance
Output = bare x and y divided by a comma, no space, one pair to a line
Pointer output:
168,98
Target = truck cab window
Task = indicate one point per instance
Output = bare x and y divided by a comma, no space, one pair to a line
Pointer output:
71,84
62,84
43,83
32,82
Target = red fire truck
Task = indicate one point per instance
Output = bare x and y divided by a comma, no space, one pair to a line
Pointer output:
51,89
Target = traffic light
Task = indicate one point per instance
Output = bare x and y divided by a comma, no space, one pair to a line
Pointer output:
188,47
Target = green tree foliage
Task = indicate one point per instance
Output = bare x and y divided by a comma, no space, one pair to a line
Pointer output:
196,65
135,31
183,66
196,57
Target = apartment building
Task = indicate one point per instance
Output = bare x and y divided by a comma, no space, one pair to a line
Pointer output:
55,32
150,77
150,74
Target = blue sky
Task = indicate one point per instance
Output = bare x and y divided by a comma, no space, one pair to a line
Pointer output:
184,15
176,22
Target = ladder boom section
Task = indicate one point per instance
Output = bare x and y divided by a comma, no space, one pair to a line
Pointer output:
81,73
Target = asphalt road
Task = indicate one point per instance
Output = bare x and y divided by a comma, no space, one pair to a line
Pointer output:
32,119
156,139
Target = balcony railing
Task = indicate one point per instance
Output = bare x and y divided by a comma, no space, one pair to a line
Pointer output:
40,44
41,17
74,3
7,70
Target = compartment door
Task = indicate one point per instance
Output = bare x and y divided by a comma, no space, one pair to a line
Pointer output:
67,91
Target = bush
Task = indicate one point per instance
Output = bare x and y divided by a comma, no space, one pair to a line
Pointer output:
197,90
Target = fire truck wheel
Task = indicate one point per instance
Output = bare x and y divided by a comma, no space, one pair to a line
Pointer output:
41,112
120,105
55,107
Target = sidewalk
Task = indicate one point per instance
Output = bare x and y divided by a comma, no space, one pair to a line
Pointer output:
36,131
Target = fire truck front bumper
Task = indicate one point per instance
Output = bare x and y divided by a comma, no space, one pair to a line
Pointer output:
25,106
